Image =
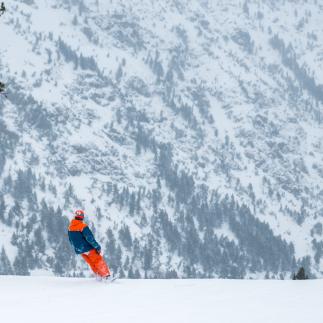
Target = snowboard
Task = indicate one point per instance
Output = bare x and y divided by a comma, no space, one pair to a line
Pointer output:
110,280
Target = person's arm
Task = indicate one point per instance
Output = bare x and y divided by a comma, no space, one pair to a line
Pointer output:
88,235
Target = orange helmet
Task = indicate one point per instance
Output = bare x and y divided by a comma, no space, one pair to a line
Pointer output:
79,214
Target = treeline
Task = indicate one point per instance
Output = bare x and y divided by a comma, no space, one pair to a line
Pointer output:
191,237
289,59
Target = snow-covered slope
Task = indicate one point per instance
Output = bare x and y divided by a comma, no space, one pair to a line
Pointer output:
192,131
65,300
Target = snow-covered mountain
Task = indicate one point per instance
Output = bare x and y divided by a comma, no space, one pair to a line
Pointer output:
189,131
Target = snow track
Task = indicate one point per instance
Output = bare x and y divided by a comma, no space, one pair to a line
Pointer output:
60,300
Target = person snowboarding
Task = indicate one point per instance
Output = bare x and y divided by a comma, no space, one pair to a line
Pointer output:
84,243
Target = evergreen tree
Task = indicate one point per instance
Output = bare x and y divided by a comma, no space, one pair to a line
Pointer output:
14,214
300,274
99,213
29,254
2,88
113,251
2,9
132,204
5,265
7,184
171,274
119,73
2,208
148,258
20,265
64,258
23,184
137,274
40,243
138,201
125,237
131,275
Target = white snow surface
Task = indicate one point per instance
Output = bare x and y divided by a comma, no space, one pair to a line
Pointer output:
83,300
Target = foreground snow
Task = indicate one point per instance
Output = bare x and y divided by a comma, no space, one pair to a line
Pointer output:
60,300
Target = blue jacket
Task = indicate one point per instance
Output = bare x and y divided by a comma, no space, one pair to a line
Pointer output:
81,237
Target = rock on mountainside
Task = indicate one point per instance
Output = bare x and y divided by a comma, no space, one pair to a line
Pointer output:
190,132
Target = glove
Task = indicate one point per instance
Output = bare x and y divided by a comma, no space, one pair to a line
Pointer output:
98,250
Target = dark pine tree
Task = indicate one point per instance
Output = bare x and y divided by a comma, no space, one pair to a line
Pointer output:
20,265
5,265
300,274
2,88
2,9
2,208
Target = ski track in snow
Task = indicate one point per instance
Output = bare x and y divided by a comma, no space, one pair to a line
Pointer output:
51,299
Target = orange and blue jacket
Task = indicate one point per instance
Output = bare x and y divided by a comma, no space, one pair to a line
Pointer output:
81,237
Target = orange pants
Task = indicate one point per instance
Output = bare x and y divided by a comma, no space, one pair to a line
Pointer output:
97,263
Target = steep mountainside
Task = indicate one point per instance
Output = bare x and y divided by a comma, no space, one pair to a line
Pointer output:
189,131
